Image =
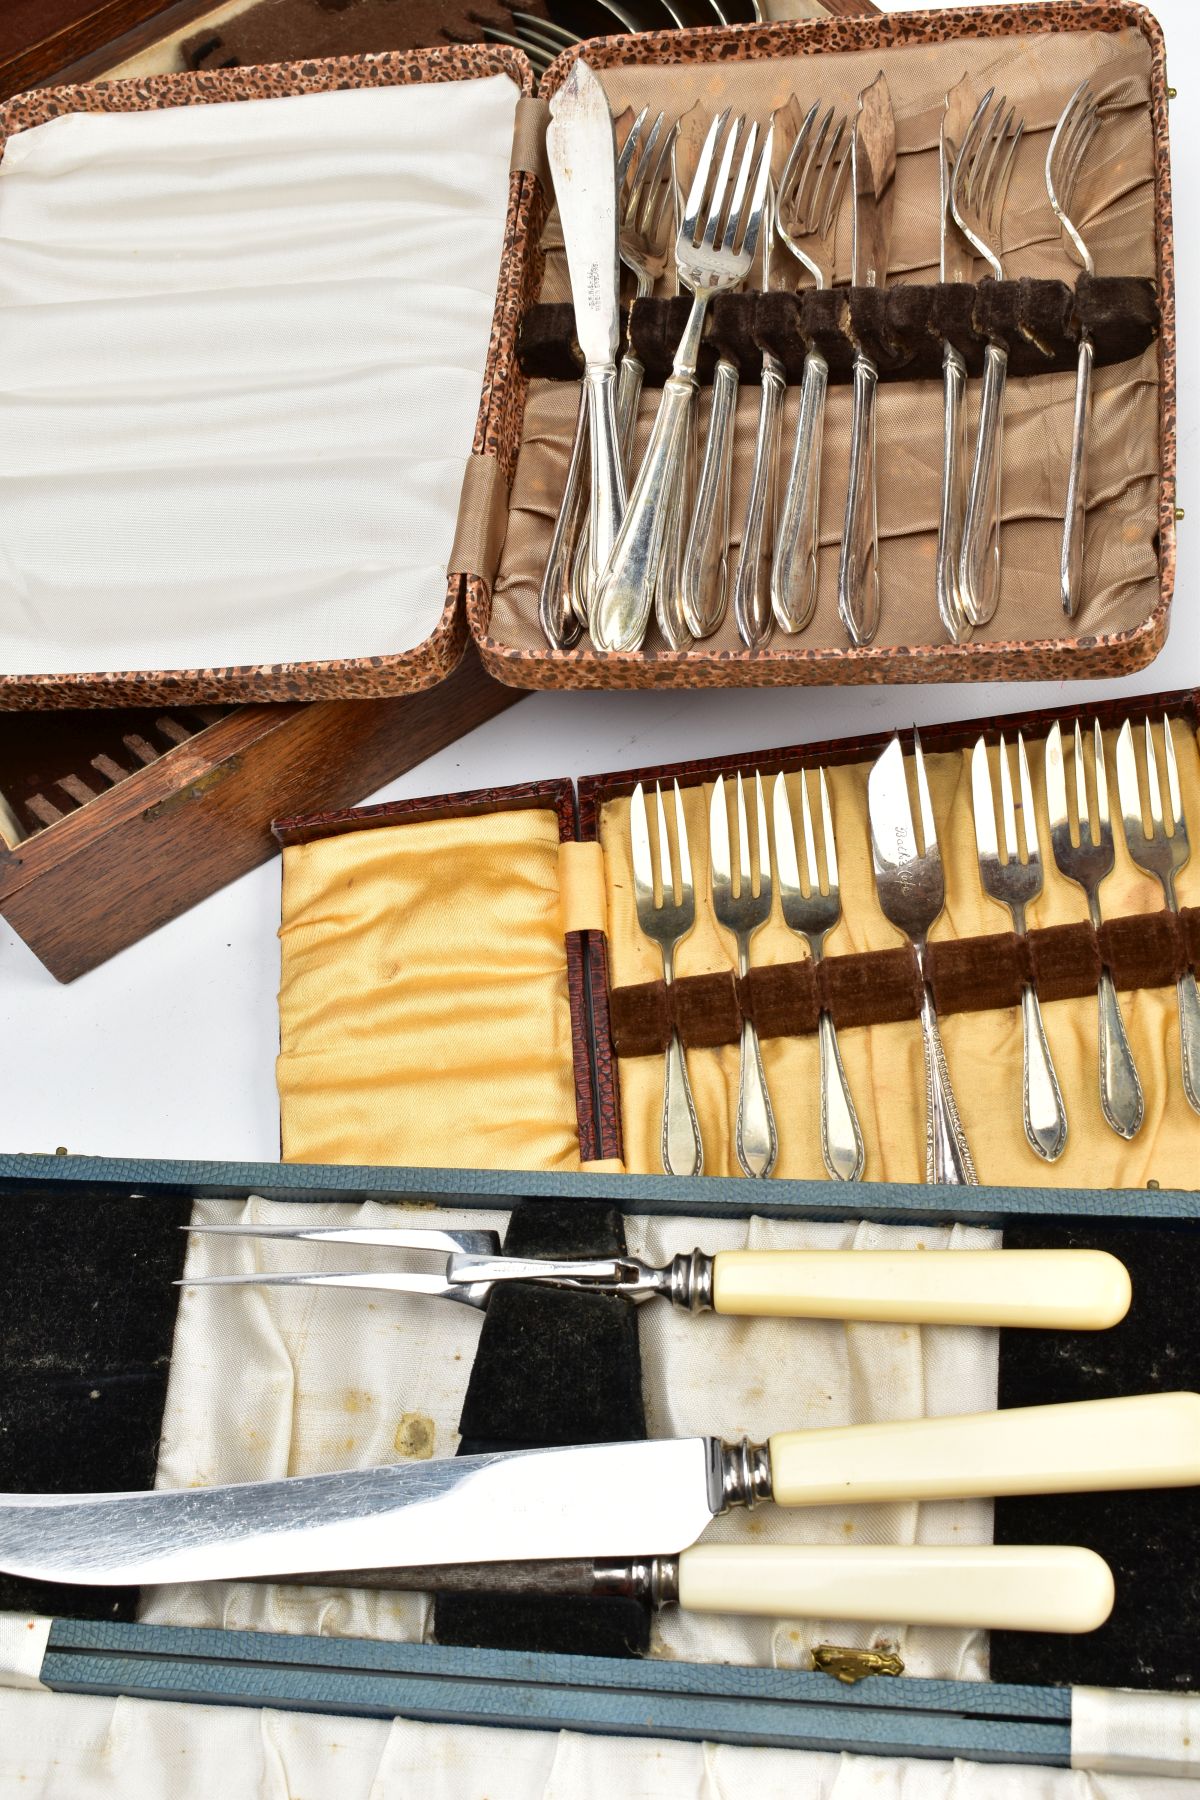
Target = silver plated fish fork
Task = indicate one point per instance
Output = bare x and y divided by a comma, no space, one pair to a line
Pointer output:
666,912
1162,850
1013,878
743,912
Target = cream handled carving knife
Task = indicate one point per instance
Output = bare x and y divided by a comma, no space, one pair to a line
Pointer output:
985,1587
1080,1290
652,1498
583,161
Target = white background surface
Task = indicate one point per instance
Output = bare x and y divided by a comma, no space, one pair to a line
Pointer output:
168,1050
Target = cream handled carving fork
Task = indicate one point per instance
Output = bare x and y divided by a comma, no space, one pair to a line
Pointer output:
666,913
1162,850
1077,1290
743,912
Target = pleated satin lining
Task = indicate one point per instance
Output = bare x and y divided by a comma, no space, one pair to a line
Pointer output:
424,1012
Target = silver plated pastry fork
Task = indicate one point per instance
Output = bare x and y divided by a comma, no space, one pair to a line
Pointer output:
714,252
1013,878
911,885
812,907
743,912
666,913
1084,853
1162,851
977,191
1065,158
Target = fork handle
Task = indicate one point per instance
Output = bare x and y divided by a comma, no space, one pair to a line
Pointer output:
1189,1037
794,572
979,559
556,616
1120,1090
630,375
682,1145
705,558
620,608
1045,1114
955,623
756,1142
947,1154
1070,568
841,1135
858,568
668,584
608,472
752,578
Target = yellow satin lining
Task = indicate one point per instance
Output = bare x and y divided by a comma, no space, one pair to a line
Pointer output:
884,1063
423,1006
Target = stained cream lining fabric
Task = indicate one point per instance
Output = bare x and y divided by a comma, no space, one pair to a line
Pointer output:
241,353
1037,72
884,1063
293,1381
96,1748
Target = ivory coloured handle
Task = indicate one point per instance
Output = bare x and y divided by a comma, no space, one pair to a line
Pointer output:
1010,1587
1081,1290
1087,1446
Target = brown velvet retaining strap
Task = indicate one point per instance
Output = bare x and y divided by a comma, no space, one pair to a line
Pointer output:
901,328
482,520
881,987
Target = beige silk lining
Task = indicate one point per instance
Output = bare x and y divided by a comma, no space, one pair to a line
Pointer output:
1037,73
884,1062
424,1017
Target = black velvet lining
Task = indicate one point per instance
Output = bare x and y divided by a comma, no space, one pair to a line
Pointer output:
1151,1540
87,1318
553,1367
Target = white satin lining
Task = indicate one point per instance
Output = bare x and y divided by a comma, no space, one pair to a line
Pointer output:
241,353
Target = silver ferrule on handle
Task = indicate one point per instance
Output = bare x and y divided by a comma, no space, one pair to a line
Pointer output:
841,1135
755,1138
752,577
948,1160
1120,1090
608,472
797,538
556,614
1070,568
979,559
739,1474
858,568
1045,1114
955,623
705,557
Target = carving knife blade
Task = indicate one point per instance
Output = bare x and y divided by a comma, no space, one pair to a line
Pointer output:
599,1500
581,146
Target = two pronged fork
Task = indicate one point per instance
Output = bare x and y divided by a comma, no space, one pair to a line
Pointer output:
1082,837
743,911
1162,851
1069,146
977,192
810,192
1014,879
666,912
912,893
812,906
714,252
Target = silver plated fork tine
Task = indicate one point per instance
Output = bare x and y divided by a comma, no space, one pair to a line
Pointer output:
645,163
799,158
743,829
928,822
1004,175
1173,791
549,28
1029,829
742,182
632,139
716,204
1082,811
665,871
1104,818
812,874
685,857
1008,811
639,838
700,180
832,883
758,198
1156,811
764,842
983,803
